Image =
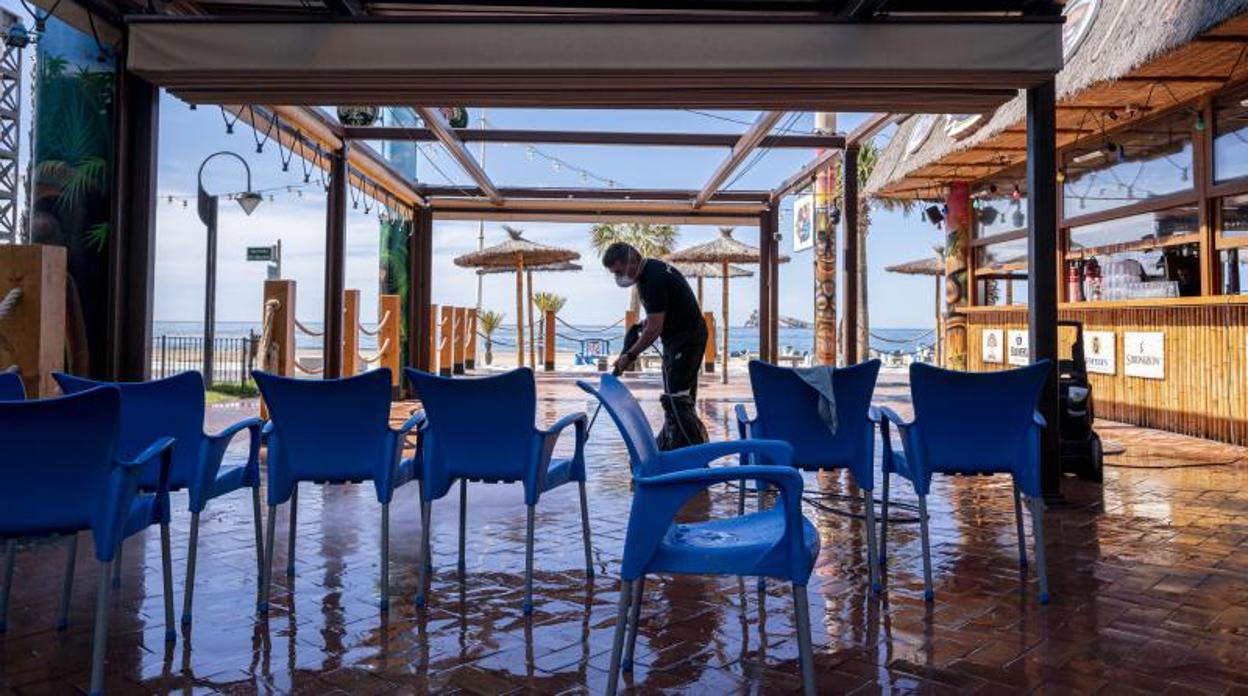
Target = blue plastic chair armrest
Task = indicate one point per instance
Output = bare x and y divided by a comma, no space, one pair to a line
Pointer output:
874,414
786,478
743,416
133,469
1039,420
550,436
774,452
891,416
210,463
266,431
416,421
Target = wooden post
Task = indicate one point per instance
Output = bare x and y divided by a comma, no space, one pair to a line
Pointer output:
32,335
470,357
520,313
446,343
938,357
700,279
350,333
708,363
460,348
548,361
335,260
849,189
532,331
420,311
630,318
281,318
957,254
389,309
825,255
433,340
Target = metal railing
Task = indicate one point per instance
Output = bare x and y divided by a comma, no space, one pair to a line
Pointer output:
233,358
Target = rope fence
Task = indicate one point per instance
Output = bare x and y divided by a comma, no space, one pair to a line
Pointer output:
311,332
380,352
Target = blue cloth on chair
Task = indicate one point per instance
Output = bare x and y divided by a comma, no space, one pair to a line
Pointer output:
819,378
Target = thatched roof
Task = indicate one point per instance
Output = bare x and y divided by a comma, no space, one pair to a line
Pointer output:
930,266
710,270
720,250
508,254
561,267
1126,37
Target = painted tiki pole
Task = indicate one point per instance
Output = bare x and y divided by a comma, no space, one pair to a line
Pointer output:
825,256
957,250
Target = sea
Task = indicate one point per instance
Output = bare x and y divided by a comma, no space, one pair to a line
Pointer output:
570,338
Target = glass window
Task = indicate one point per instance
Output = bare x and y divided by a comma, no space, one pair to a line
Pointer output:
1234,271
1154,159
1002,292
1230,137
1140,256
1002,257
1235,216
1000,214
1001,273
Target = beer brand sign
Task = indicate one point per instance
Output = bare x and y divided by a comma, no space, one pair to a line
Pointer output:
993,346
1100,351
1018,350
1144,354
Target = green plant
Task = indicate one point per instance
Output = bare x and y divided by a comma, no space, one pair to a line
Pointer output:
549,302
242,391
489,321
653,241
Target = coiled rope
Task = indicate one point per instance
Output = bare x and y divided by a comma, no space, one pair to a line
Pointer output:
268,348
10,300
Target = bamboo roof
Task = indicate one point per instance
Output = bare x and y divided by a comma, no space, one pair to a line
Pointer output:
722,249
515,250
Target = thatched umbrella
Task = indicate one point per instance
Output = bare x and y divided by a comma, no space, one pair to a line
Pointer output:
561,267
709,270
722,252
931,266
514,254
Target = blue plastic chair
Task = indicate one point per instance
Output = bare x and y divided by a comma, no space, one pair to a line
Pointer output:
778,542
331,431
174,407
61,477
482,429
11,388
788,409
971,423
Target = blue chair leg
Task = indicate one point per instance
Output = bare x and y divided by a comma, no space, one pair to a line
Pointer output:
463,524
259,524
528,563
166,571
1018,526
117,564
884,523
801,608
385,557
634,622
290,540
10,558
100,642
617,643
872,562
192,554
1037,530
266,581
928,593
423,575
589,553
67,586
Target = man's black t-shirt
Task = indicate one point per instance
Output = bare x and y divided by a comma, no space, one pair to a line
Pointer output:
662,288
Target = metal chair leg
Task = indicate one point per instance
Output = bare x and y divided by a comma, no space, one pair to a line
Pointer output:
928,593
884,524
741,497
528,564
801,607
192,553
99,643
463,522
10,558
423,576
258,517
290,540
872,561
385,557
117,563
617,643
634,622
67,588
1037,530
589,553
266,580
166,571
1018,526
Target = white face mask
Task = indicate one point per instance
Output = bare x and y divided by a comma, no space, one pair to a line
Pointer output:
625,280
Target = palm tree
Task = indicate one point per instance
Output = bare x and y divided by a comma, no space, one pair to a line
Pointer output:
490,321
549,302
653,241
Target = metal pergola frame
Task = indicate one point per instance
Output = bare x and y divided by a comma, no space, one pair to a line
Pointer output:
830,55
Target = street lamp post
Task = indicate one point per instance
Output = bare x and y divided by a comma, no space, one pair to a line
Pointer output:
207,207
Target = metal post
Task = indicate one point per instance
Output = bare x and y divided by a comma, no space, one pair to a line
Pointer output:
852,240
208,213
1042,268
335,260
764,289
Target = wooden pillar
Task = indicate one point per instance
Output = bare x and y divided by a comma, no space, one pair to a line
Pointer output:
470,357
825,255
277,310
432,334
700,279
1042,269
32,334
520,313
446,343
460,338
708,362
532,330
764,289
723,299
938,331
132,235
335,260
389,309
548,354
420,310
957,273
630,318
351,333
852,240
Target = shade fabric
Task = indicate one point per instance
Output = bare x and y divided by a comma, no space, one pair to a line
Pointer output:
720,250
516,249
710,270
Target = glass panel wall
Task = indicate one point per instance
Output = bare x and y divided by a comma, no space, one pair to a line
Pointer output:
1141,256
1230,138
1152,160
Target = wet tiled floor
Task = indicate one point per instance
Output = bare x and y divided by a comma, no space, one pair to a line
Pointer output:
1149,577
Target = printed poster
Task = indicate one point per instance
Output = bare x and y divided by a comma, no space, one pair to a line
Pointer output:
1144,354
993,349
1019,352
803,223
1100,351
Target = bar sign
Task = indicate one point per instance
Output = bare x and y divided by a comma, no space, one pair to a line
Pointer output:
264,253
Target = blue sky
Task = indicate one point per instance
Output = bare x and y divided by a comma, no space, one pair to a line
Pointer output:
187,136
